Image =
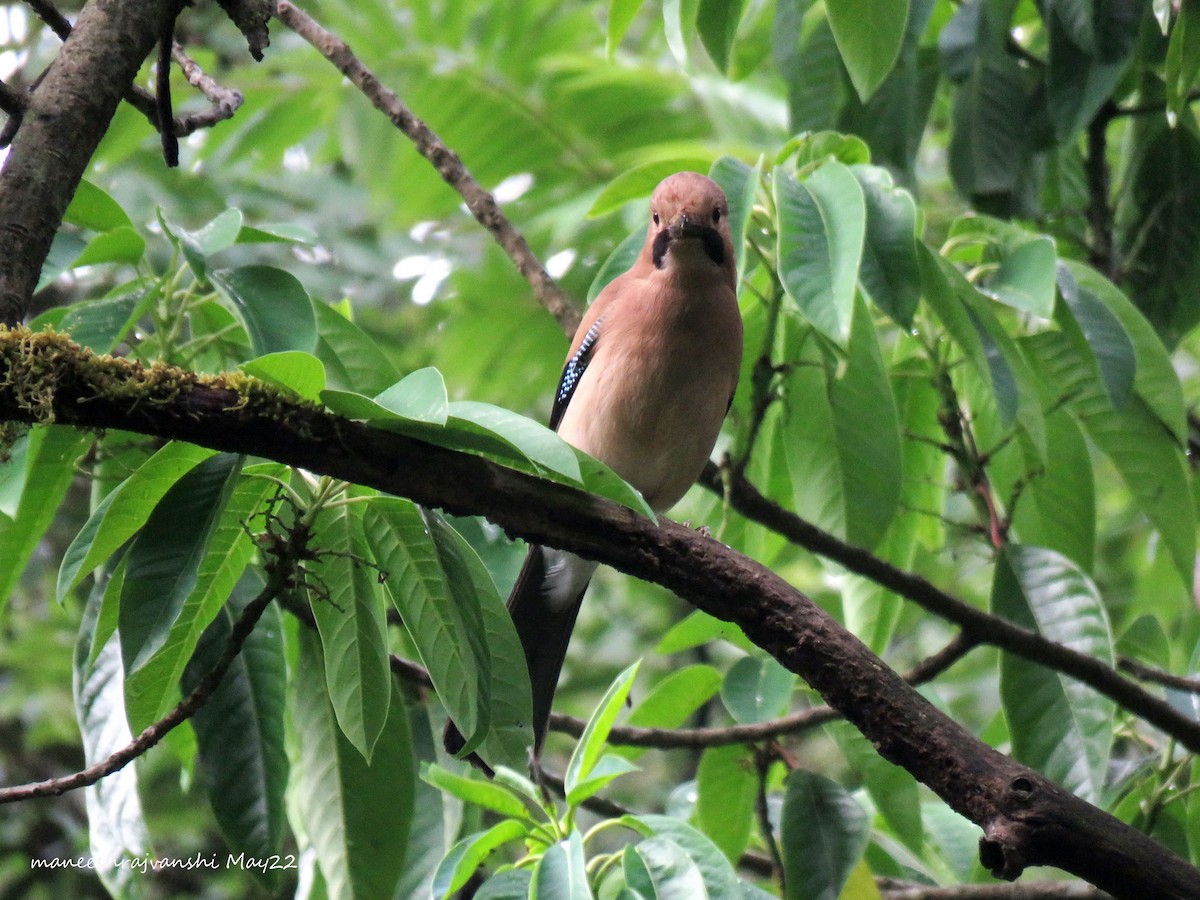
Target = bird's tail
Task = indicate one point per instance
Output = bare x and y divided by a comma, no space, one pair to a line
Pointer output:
543,605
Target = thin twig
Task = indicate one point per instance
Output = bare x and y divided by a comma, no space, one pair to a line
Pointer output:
1144,672
12,101
977,625
894,889
157,731
481,203
225,101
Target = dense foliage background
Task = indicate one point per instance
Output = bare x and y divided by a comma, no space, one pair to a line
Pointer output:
970,282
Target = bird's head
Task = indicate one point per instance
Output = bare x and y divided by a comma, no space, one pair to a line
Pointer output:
689,224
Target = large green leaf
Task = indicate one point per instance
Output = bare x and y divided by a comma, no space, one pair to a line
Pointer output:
125,510
824,833
757,689
893,790
890,274
1099,333
356,814
672,700
1057,725
508,740
726,790
443,620
239,731
151,689
1133,438
869,36
272,305
164,560
91,207
353,361
116,830
867,428
637,183
717,24
1158,233
1155,379
716,873
822,223
740,184
347,603
561,874
465,857
591,744
49,469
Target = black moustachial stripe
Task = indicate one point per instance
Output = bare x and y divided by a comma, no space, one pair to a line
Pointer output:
572,372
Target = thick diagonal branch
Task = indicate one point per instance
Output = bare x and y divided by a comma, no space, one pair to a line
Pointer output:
65,118
1027,820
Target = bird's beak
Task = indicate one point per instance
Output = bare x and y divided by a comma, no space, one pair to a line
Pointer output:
684,225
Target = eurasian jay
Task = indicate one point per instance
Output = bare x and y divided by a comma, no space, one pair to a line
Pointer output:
647,382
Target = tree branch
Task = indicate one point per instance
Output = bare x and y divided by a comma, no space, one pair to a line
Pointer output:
12,101
67,115
977,625
483,205
1027,820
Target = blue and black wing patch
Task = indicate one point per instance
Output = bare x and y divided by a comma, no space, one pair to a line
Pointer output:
572,372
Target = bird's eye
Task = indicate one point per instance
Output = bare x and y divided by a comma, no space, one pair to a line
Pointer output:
716,214
655,217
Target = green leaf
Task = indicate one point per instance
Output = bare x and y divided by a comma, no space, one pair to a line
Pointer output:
1079,79
824,833
508,740
602,481
92,208
640,181
822,223
1183,57
239,731
717,875
272,305
49,470
867,428
465,856
561,873
1058,726
356,814
1158,234
102,324
125,510
295,370
740,184
166,556
894,791
541,446
890,275
12,476
1134,439
219,234
116,830
346,602
1026,276
869,36
591,744
609,767
276,233
151,690
757,689
672,700
1155,379
439,609
726,790
622,257
122,244
1103,337
658,867
488,794
697,628
353,361
717,23
420,395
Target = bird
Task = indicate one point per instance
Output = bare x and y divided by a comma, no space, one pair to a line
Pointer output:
648,381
